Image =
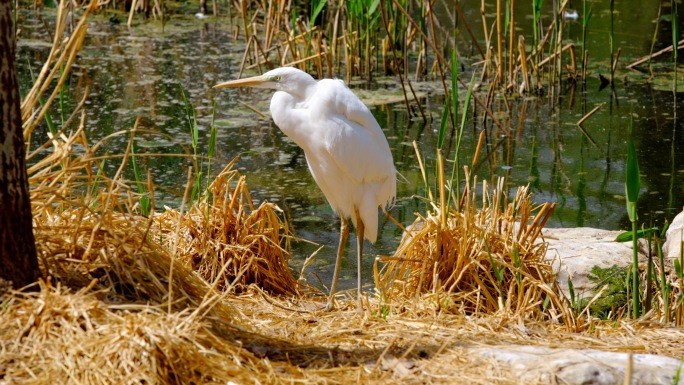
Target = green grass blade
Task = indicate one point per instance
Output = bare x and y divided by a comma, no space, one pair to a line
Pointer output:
48,119
571,289
212,146
316,8
454,84
443,125
644,233
675,42
455,175
62,97
664,284
632,187
633,180
192,121
145,199
94,189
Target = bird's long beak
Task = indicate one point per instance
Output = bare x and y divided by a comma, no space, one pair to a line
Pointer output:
247,82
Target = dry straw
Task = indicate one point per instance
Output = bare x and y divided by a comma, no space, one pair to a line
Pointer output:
486,259
225,239
55,336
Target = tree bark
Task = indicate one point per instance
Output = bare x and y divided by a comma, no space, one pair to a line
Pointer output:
18,261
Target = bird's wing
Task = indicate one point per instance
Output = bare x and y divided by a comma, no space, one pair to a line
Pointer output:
353,136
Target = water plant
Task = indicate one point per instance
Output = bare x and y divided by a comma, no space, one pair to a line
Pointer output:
632,187
675,43
586,17
48,117
665,287
211,149
655,285
536,24
145,206
611,41
191,120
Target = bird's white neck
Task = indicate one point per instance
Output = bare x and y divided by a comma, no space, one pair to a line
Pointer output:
290,114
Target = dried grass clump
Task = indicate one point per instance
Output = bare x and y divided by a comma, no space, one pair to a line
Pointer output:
227,241
111,252
86,232
127,309
56,337
479,260
86,229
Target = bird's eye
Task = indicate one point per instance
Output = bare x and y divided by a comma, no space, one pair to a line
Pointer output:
276,78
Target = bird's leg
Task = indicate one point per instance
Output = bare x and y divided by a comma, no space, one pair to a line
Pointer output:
344,235
360,228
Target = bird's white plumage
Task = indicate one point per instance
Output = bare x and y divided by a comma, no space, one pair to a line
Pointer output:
346,150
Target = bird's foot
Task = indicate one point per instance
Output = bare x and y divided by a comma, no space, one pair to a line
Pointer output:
359,306
330,306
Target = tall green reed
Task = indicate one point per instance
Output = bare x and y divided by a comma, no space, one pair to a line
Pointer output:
632,187
62,96
675,42
455,172
48,118
199,189
665,287
191,120
212,144
316,8
141,186
586,17
536,20
612,41
97,181
364,17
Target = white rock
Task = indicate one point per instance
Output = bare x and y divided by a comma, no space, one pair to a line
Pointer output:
672,247
539,364
574,251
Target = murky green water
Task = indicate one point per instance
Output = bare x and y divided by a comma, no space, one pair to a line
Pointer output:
141,72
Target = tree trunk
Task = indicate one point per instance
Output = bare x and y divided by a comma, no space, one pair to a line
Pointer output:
18,261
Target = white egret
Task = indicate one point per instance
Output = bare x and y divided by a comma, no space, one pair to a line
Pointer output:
345,148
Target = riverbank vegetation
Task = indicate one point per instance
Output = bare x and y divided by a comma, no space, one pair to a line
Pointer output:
203,293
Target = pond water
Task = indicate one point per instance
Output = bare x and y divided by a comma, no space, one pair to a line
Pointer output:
142,71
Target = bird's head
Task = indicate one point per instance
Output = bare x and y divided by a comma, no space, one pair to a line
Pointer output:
287,79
